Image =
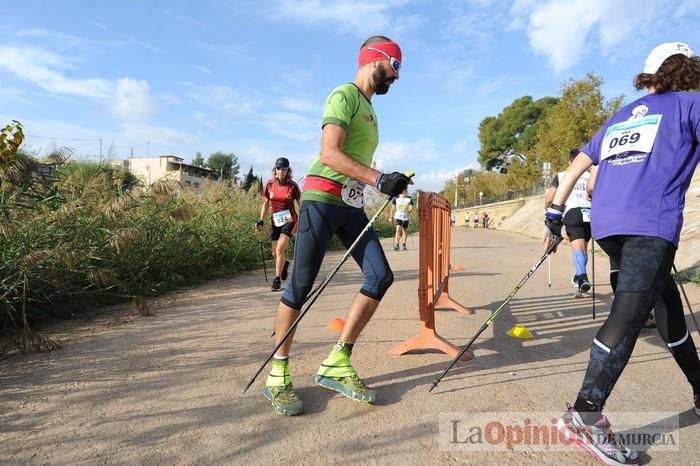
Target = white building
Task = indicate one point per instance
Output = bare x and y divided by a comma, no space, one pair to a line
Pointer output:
169,167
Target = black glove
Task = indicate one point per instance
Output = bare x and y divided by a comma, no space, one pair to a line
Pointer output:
392,184
553,219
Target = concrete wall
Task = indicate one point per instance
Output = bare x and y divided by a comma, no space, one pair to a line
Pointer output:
498,212
526,217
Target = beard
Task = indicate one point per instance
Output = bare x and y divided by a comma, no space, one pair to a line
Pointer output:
381,81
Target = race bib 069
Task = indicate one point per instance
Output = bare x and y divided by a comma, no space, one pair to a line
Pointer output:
636,135
353,193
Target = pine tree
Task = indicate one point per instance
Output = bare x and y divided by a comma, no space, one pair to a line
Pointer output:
249,179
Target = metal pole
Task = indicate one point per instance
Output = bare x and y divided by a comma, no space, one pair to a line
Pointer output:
488,322
454,206
593,273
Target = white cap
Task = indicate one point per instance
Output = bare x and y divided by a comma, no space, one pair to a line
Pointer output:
662,52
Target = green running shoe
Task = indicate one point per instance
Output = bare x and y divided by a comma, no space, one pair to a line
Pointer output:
336,373
352,387
284,399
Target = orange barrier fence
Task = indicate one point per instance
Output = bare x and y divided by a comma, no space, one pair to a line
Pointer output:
433,276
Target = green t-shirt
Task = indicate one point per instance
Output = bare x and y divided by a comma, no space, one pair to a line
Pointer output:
347,107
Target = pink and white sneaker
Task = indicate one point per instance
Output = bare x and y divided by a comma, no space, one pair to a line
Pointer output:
597,439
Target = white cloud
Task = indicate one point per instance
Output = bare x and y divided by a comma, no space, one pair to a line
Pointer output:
434,180
292,125
686,7
421,155
460,148
299,105
205,70
169,99
35,32
348,15
146,45
477,21
132,100
44,69
234,104
54,39
455,75
402,156
43,136
262,159
562,30
553,33
230,101
204,119
163,140
496,84
10,94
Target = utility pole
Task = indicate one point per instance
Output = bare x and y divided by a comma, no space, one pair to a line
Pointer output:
454,206
100,150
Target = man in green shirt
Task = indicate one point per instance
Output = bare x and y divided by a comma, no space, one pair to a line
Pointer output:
332,203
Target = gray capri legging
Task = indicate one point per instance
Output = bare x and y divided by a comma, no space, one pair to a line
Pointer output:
318,222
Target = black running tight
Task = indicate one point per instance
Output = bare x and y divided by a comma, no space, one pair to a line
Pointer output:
644,279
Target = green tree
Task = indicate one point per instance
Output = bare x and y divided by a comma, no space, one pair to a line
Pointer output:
249,180
471,182
581,110
226,165
448,189
524,174
198,160
510,135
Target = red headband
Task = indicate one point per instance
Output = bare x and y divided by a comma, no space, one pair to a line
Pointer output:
368,56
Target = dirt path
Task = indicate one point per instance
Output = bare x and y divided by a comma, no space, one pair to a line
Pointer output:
167,390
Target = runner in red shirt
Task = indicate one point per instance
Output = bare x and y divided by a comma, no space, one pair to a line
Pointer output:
280,192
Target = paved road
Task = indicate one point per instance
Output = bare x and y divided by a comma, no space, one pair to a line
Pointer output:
167,390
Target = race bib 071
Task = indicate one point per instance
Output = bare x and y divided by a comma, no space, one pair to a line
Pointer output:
353,193
636,135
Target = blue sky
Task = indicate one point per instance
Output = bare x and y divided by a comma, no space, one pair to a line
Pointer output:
250,77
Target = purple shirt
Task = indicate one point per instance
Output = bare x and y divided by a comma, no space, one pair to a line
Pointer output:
646,155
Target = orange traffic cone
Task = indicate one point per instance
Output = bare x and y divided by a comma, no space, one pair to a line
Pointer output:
336,324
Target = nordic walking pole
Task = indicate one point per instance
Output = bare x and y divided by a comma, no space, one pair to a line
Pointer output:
321,287
495,313
687,302
549,271
593,273
262,256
